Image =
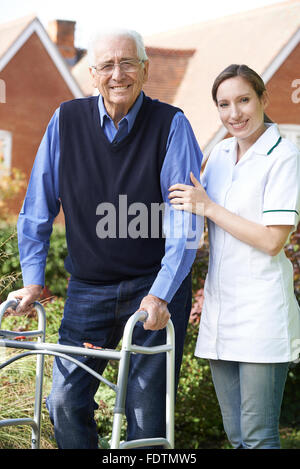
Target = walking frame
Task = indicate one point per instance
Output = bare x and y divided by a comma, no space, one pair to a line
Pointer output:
40,348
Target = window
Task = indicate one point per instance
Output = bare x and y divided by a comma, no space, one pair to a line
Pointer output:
292,132
5,148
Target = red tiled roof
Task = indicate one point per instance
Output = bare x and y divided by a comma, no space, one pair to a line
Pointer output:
167,68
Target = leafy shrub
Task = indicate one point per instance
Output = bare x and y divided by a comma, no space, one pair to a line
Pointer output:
12,181
56,277
293,253
7,279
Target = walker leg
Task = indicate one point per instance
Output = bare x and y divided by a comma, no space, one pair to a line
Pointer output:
170,392
36,429
119,409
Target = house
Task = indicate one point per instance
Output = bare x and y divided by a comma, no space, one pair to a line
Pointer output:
266,39
34,79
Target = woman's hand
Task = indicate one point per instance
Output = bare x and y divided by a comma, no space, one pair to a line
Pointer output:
189,198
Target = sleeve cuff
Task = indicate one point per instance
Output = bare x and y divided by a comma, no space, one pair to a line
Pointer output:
163,287
280,217
33,275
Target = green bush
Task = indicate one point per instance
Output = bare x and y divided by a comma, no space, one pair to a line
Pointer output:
56,276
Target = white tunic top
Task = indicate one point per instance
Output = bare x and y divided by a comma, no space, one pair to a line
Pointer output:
250,312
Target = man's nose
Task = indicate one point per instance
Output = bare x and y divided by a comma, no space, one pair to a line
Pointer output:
117,72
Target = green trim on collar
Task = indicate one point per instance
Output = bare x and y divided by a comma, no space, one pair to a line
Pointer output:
266,211
274,146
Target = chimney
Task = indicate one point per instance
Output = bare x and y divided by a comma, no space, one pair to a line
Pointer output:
62,33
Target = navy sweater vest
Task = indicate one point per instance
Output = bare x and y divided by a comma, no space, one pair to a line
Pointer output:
108,190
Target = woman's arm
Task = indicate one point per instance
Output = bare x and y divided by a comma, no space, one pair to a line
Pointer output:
269,239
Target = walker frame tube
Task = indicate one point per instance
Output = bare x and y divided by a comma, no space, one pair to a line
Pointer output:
35,423
41,348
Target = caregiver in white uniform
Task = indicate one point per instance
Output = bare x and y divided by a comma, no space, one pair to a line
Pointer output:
250,323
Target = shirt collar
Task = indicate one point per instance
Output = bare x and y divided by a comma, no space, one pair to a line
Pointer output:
263,145
130,117
267,141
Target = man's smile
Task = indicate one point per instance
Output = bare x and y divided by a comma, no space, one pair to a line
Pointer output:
120,87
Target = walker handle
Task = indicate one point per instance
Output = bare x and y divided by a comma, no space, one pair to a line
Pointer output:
8,304
143,316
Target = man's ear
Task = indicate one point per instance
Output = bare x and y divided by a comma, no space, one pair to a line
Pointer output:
93,77
146,71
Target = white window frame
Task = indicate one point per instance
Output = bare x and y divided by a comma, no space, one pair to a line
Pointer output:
292,132
5,147
2,91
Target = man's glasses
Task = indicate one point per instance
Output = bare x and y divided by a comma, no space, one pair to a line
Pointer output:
126,66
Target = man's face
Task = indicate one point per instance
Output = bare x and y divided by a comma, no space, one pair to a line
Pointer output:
119,87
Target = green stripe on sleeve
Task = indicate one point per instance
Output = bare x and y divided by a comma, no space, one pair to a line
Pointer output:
266,211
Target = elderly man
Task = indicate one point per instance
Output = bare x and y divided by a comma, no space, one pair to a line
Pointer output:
99,153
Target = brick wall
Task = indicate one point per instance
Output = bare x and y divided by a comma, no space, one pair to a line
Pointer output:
282,109
34,89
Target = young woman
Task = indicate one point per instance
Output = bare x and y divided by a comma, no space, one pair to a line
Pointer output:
250,323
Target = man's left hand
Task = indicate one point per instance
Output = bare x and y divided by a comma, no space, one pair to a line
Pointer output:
158,313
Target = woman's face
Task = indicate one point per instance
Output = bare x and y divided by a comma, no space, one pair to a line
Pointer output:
241,110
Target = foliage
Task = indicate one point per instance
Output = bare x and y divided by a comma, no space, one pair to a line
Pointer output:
7,279
56,277
293,253
11,183
290,412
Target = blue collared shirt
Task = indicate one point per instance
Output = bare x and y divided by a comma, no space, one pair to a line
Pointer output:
42,204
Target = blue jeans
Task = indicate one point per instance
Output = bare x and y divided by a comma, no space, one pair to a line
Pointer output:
250,397
97,314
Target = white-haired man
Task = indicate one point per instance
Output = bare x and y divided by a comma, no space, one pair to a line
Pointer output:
98,153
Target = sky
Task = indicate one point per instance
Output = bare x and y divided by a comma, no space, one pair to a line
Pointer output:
147,17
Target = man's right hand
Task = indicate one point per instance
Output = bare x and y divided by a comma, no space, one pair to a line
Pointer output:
27,296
